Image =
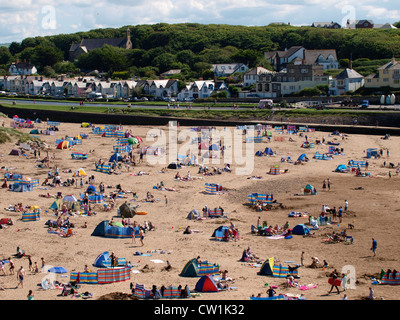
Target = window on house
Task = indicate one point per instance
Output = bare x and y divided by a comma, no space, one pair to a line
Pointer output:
304,70
385,79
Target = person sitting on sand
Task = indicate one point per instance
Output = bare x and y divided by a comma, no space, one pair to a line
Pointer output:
178,176
149,197
4,185
187,230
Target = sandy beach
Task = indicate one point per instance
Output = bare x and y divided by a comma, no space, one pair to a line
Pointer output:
373,207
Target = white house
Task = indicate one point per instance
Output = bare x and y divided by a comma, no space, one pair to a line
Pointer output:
22,68
347,80
57,88
198,89
35,86
124,89
161,88
228,69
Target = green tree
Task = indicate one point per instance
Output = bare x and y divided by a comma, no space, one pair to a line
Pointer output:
44,55
66,67
5,55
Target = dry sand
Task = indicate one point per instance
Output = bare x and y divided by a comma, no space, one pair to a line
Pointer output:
372,209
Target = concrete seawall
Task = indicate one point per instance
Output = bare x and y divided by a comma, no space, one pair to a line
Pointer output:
129,119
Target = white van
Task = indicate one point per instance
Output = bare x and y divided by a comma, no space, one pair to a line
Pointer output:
265,104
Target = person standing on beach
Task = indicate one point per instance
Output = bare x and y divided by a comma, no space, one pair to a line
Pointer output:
20,277
346,205
43,263
374,246
302,258
12,266
334,276
324,185
329,184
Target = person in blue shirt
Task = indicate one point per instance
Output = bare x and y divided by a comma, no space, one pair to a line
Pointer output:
374,245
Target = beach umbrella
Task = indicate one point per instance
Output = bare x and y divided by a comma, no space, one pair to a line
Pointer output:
57,270
139,139
70,197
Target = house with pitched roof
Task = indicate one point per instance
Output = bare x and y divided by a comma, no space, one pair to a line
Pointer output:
327,25
86,45
388,75
280,59
347,80
125,88
293,79
359,24
22,68
324,57
161,88
228,69
201,89
251,76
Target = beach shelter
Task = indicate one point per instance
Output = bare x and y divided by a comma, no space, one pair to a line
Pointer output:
301,229
115,158
21,187
220,233
268,152
206,284
34,131
101,258
309,189
214,147
103,229
174,165
126,210
267,267
372,152
85,125
56,205
63,145
15,152
193,214
91,189
259,154
80,173
302,157
341,168
70,198
193,269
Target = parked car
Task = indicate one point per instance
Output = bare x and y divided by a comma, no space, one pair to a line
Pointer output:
189,99
143,99
365,104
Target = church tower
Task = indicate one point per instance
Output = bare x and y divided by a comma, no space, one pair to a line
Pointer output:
128,44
